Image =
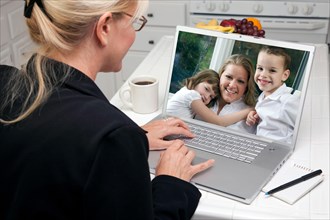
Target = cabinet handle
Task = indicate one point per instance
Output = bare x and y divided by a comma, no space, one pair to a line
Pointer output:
150,15
151,42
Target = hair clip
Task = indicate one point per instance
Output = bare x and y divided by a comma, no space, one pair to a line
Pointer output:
29,7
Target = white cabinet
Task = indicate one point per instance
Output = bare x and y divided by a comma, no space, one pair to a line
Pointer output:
16,45
163,17
5,57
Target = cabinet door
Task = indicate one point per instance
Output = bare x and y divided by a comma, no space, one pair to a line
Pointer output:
4,34
166,13
149,37
3,2
109,83
16,20
16,45
131,61
23,49
5,57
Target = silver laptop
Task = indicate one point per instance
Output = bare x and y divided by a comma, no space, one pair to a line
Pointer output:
236,174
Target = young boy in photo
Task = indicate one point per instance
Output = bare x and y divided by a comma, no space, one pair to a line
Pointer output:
276,109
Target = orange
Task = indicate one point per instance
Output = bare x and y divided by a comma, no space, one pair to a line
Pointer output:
256,22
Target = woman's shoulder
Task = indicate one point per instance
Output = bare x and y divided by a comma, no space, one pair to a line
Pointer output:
7,71
87,109
84,113
6,68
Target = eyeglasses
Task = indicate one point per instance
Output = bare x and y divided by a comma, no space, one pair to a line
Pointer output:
138,23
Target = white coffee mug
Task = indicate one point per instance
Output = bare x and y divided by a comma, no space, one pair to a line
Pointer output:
141,95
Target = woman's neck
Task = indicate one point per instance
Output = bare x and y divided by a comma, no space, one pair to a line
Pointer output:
82,58
221,104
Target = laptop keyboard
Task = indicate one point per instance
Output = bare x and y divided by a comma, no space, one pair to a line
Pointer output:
224,144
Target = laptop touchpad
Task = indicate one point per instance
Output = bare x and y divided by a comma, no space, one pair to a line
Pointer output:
198,160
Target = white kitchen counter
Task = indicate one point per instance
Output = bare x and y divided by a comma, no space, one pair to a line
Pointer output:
312,148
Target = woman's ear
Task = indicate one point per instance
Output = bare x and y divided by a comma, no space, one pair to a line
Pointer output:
102,29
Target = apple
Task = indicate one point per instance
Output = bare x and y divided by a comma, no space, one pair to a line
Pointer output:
228,23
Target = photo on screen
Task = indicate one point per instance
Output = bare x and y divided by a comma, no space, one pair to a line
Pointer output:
196,52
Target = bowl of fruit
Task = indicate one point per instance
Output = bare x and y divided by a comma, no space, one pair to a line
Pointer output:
246,26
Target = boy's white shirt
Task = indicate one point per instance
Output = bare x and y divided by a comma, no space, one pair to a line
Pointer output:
180,103
277,114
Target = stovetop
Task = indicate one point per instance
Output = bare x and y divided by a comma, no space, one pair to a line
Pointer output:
289,8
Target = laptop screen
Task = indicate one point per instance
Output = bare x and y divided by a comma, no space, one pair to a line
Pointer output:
278,110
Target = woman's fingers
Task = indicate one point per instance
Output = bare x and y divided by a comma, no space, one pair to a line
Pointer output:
176,161
202,166
176,122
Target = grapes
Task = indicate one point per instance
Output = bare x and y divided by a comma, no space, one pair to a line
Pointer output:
261,33
238,24
249,31
247,27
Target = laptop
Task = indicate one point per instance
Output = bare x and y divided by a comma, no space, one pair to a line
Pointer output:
240,178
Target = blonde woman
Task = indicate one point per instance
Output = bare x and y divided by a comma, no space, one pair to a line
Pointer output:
237,89
65,151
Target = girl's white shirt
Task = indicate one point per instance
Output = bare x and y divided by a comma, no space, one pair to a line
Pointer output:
277,114
180,103
233,107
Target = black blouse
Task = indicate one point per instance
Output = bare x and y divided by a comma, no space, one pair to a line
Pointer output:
79,157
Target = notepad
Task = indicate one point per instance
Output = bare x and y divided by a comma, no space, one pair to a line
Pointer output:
287,173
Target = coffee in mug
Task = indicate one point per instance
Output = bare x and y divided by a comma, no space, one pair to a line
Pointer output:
144,83
141,95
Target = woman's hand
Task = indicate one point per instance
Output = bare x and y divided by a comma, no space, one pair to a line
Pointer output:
176,161
159,129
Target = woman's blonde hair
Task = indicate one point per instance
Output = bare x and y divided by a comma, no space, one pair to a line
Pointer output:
210,76
59,27
241,60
